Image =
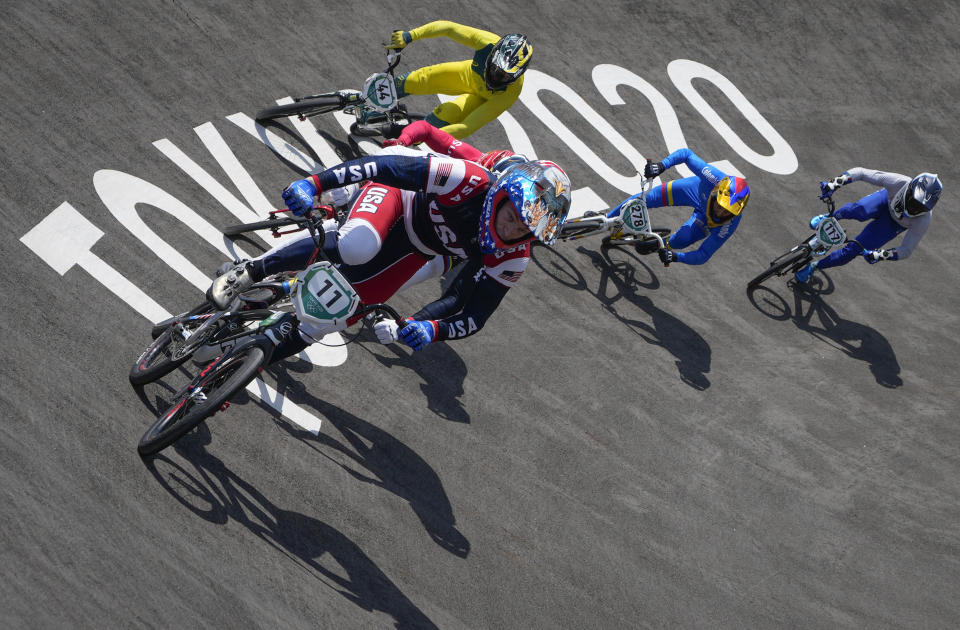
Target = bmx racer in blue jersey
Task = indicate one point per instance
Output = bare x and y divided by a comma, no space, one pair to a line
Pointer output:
717,200
901,205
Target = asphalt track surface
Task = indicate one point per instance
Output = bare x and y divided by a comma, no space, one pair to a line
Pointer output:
623,446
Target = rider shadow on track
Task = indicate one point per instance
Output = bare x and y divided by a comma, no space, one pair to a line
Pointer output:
858,341
213,492
663,329
392,465
442,371
691,350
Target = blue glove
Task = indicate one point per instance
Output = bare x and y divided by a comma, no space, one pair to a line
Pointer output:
299,196
418,334
667,256
653,169
873,256
827,188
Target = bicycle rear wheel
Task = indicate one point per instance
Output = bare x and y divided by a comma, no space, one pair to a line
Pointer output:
790,261
305,107
236,230
203,397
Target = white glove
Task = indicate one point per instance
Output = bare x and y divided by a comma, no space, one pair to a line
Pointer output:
386,330
337,197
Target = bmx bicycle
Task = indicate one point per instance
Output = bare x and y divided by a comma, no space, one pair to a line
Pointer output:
630,228
827,234
319,295
377,107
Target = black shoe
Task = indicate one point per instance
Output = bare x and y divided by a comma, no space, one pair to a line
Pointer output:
647,246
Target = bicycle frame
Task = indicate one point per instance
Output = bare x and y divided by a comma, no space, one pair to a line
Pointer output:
637,223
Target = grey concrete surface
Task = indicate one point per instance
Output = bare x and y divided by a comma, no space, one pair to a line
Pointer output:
624,446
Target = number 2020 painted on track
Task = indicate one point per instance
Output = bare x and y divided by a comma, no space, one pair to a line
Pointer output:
608,78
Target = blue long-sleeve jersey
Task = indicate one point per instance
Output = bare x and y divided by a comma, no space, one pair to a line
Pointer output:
694,192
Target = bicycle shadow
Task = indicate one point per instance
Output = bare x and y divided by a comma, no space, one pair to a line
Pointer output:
557,266
691,350
392,465
344,150
216,494
811,314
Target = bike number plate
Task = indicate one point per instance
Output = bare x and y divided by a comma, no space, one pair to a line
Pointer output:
830,233
380,92
323,299
634,216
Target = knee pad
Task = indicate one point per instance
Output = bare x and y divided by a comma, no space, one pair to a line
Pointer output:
359,242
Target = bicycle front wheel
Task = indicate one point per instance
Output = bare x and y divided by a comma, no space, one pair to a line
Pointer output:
790,261
269,224
203,397
305,107
164,354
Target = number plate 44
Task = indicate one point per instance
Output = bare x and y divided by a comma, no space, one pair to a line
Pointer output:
323,300
380,92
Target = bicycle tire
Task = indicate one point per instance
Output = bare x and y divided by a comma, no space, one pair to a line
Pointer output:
269,224
627,239
790,260
225,376
156,361
305,107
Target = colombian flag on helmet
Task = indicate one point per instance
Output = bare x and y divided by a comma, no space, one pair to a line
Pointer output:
732,194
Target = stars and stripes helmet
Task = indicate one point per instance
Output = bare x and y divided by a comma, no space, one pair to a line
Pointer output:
499,161
538,191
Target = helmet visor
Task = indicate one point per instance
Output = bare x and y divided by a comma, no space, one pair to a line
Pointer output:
546,199
914,207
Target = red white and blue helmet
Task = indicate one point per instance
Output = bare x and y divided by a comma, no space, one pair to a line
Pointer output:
918,196
499,161
538,191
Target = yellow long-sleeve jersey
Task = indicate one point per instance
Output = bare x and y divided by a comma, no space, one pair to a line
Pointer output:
475,105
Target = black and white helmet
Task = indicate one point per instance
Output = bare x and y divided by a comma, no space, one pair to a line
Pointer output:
507,61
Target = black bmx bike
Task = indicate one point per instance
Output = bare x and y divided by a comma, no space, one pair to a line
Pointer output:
377,107
828,233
